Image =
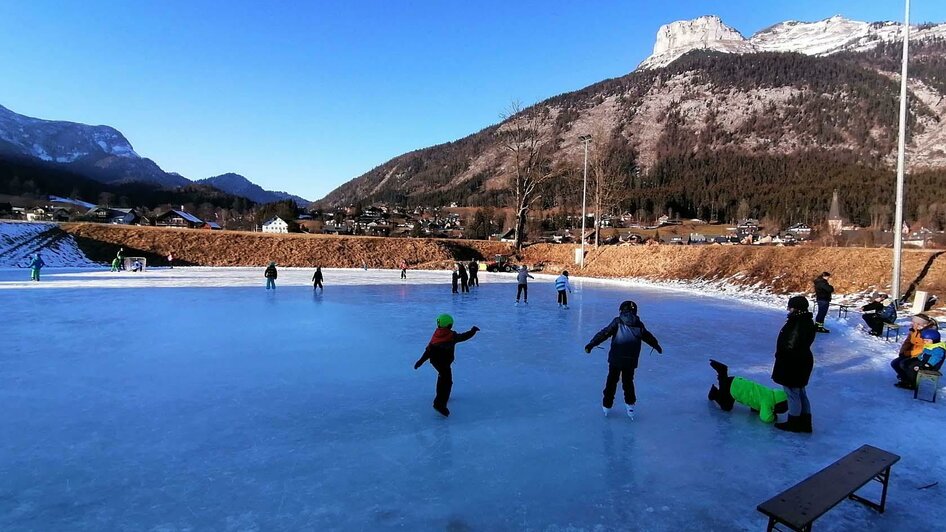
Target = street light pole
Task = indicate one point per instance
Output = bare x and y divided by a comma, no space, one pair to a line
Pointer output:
901,162
584,139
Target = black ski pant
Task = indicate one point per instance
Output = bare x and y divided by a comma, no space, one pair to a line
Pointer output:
625,374
403,273
444,383
562,297
522,290
474,280
464,285
317,284
722,395
875,322
455,286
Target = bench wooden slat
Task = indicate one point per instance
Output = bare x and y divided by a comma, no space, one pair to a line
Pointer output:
808,500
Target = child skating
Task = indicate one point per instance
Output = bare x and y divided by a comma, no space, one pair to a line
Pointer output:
440,353
626,332
768,402
561,285
522,289
270,274
317,279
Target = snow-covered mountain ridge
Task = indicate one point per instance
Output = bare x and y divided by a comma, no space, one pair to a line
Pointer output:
61,142
825,37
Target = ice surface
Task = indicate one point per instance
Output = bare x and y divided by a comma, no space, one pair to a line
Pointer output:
193,399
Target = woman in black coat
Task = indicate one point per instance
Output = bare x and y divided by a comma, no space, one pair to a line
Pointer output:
794,362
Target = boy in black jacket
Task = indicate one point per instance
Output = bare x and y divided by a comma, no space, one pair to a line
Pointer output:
440,353
627,332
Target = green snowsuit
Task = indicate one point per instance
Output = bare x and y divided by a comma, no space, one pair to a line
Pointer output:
115,263
757,397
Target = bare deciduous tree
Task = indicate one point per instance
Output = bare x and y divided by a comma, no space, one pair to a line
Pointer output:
520,135
612,164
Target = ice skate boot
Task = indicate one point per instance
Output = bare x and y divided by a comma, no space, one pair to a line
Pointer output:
630,411
606,410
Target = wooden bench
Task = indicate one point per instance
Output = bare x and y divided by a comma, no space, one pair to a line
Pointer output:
891,327
842,309
927,375
799,506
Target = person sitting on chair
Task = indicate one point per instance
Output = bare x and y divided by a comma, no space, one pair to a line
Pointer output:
762,399
876,314
934,352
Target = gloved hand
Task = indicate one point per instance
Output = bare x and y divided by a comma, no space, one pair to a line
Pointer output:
659,349
588,349
418,364
475,329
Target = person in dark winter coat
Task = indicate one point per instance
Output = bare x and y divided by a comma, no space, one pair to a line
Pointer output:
876,314
626,332
440,353
794,362
464,278
317,279
270,274
474,273
823,291
455,279
762,399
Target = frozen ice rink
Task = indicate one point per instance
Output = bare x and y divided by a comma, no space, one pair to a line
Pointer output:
193,399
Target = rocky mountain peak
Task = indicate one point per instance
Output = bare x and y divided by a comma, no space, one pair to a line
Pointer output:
703,33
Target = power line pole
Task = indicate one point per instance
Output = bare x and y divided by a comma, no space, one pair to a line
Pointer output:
584,139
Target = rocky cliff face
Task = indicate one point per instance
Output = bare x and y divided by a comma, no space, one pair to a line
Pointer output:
703,33
825,37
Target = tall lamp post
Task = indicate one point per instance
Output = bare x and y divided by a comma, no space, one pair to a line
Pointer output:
586,140
901,163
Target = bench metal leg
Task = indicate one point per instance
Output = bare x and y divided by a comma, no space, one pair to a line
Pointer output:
884,479
773,528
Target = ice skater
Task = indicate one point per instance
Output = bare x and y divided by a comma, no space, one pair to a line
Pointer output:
317,279
464,278
523,287
440,352
170,260
270,274
455,279
561,285
120,257
36,264
403,269
794,362
762,399
626,332
474,273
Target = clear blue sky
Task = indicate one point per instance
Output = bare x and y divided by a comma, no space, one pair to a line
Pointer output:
303,96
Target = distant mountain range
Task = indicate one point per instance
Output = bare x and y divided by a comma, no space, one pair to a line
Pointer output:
103,154
240,186
712,122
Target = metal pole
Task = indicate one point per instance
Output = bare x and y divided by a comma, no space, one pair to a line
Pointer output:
584,196
901,155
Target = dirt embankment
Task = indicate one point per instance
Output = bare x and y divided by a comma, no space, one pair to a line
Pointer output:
780,269
233,248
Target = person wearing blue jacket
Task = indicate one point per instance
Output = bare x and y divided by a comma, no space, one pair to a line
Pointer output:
626,332
561,285
934,352
36,264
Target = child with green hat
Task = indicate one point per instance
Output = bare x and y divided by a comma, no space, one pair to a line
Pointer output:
440,353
